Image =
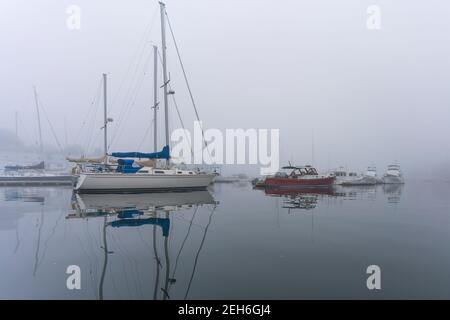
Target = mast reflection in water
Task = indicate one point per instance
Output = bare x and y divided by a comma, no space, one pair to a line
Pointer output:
145,213
316,243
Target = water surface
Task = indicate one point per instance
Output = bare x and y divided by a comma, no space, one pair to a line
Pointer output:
231,242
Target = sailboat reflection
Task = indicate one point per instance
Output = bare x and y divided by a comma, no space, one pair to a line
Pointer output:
136,210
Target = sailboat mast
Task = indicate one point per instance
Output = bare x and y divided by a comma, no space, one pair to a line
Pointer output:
105,111
163,39
41,147
155,98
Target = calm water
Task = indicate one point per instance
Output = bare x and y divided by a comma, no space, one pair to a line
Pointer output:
230,242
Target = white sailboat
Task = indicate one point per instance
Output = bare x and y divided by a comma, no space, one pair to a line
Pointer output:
34,174
128,177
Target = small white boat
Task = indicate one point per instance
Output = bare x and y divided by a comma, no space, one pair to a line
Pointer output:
393,175
343,177
369,178
231,179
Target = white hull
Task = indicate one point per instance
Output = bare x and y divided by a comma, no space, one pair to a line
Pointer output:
118,182
388,179
362,181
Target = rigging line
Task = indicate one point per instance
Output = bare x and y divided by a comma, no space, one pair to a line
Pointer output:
91,129
89,260
127,96
131,260
94,99
132,102
184,241
124,267
148,30
133,83
88,150
93,266
24,128
145,136
52,233
49,123
178,111
187,82
36,256
198,252
131,105
113,281
181,121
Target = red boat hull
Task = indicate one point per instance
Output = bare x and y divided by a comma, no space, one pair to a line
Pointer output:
299,182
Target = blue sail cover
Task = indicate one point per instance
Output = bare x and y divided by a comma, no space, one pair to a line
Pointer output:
164,154
164,223
126,166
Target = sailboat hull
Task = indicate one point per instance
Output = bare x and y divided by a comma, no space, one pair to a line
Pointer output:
131,183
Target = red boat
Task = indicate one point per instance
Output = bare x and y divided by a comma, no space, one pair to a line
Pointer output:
300,177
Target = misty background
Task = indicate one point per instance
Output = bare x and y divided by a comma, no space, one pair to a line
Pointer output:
341,94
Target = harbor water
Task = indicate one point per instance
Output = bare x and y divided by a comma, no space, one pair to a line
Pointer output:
230,242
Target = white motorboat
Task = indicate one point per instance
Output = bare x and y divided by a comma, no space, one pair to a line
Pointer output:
130,177
393,175
343,177
369,178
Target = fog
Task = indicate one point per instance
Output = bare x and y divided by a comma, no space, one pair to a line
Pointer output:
340,93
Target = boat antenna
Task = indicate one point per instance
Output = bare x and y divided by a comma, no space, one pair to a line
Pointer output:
41,148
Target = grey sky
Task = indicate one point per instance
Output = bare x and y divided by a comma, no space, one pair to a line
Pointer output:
371,97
